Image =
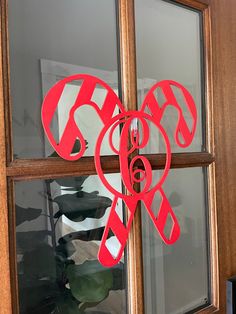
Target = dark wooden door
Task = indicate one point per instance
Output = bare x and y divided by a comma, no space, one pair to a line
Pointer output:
219,30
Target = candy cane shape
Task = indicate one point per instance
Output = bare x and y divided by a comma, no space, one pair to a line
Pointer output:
118,228
84,97
158,110
131,140
160,219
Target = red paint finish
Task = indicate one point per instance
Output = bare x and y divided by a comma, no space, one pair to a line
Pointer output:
132,138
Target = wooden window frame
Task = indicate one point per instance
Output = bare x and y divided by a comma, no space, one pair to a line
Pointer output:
129,81
27,169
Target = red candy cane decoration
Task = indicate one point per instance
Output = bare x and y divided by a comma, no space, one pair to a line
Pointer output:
72,131
130,141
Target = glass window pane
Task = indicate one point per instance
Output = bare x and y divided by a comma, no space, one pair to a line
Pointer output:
169,47
50,40
59,225
176,277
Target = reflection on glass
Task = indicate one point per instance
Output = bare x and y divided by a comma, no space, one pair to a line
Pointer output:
176,277
50,40
59,225
86,118
168,41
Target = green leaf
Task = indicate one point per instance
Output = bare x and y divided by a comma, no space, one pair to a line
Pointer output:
82,205
85,235
27,241
62,261
84,306
45,298
119,281
65,249
90,281
26,214
40,262
66,306
37,296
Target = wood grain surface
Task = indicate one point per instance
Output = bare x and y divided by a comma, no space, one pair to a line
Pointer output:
5,289
223,21
219,26
129,99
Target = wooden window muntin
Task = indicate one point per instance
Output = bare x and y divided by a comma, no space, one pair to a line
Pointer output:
46,168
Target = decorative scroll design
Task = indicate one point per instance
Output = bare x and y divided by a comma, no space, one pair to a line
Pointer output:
132,139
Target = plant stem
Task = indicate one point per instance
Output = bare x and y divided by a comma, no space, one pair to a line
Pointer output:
45,215
51,214
56,222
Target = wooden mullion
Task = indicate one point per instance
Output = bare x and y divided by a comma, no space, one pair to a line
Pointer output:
180,160
210,120
12,246
200,5
5,62
129,99
57,167
5,287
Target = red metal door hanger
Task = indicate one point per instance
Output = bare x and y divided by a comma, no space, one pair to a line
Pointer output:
131,139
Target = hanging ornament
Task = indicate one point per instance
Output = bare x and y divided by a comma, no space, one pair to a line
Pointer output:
135,135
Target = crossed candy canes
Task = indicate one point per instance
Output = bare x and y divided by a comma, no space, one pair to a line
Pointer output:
130,141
